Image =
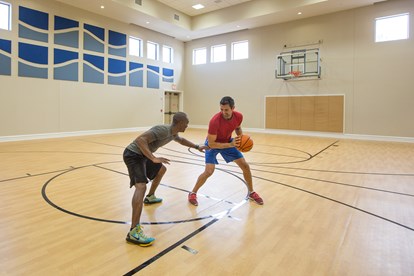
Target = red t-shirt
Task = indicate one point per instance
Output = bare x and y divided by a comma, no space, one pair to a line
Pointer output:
224,128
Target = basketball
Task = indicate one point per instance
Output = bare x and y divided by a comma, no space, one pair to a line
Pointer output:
246,143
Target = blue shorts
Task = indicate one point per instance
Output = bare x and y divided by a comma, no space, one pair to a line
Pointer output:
229,155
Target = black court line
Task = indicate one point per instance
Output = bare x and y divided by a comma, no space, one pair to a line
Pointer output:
178,243
311,156
335,182
330,171
143,265
62,151
168,249
334,200
337,201
46,198
33,175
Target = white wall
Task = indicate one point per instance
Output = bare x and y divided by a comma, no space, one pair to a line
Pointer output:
374,77
35,106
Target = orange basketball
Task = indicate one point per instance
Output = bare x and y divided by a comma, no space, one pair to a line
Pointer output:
246,143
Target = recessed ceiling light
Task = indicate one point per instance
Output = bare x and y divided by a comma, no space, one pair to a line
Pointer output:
102,7
147,22
198,6
299,13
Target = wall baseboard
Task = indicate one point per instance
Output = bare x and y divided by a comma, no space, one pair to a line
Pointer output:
254,130
324,134
68,134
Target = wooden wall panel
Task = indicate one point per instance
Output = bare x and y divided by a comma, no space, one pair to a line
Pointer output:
307,113
310,113
271,112
322,113
294,113
282,113
336,114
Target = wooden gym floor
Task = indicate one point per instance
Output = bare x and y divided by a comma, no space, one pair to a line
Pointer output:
332,207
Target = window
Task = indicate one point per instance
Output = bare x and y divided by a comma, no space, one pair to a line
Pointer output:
5,16
199,56
152,50
393,27
218,53
135,46
240,50
167,54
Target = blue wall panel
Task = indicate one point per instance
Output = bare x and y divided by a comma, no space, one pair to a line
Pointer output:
37,24
136,74
117,44
94,38
65,65
5,57
93,69
116,71
66,32
167,75
33,61
153,77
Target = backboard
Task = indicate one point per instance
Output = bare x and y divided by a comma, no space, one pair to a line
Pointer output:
298,63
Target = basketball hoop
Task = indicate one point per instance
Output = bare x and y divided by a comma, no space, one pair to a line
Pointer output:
295,73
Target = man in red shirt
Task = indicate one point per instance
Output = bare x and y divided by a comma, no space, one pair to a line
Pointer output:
219,140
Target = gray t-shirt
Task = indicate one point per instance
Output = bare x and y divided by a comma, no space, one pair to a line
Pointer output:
161,135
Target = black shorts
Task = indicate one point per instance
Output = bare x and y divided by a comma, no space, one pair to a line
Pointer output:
140,168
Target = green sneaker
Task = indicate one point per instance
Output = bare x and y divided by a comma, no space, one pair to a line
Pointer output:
152,199
137,236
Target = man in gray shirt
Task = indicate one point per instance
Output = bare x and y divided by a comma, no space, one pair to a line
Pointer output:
143,165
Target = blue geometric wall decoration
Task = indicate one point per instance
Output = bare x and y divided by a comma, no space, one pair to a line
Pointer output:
5,57
153,76
116,71
167,75
65,65
33,61
136,74
93,68
66,32
117,44
33,24
93,38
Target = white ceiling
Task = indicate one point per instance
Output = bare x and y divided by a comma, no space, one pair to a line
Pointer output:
178,19
185,6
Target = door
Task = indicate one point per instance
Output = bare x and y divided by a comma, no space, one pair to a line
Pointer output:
171,106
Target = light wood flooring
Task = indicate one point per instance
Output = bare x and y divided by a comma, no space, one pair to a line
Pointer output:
332,207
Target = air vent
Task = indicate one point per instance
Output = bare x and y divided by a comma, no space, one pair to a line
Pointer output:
138,2
177,17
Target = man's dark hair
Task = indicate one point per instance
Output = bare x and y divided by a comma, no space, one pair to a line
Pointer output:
227,100
178,117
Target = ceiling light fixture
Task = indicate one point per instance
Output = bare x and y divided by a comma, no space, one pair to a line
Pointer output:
102,7
299,13
198,6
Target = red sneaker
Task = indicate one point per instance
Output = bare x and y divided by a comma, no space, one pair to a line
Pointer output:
255,197
192,198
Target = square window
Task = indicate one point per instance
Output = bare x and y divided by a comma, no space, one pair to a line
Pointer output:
240,50
199,56
218,53
135,46
167,54
5,16
390,28
152,50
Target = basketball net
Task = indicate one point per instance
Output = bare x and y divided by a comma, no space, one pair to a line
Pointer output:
295,73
